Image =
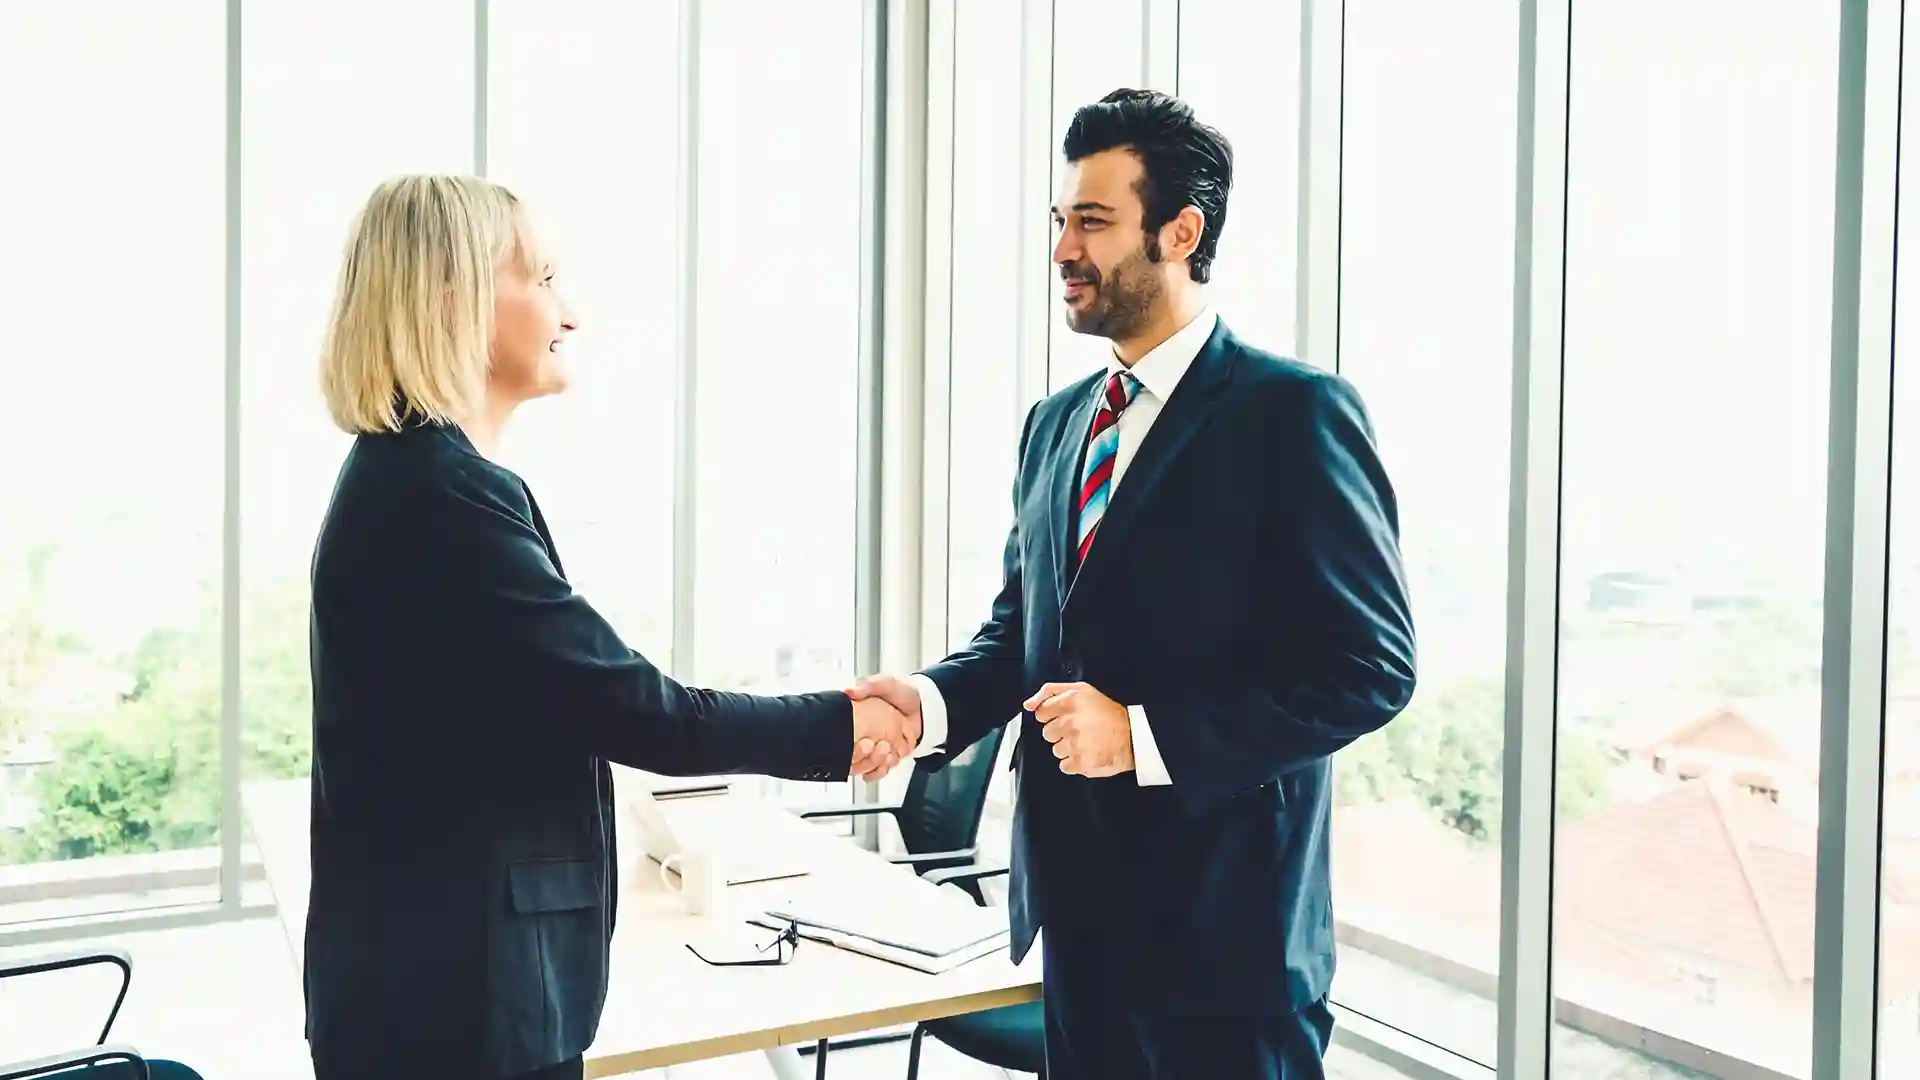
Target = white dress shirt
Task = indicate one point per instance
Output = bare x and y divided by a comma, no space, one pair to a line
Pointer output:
1159,372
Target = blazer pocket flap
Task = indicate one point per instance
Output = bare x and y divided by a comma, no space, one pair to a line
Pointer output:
554,885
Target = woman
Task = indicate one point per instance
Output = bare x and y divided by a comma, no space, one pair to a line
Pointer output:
466,701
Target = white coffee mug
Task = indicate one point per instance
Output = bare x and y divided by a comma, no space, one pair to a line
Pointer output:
702,882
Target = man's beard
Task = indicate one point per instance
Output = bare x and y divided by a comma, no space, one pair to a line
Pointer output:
1123,299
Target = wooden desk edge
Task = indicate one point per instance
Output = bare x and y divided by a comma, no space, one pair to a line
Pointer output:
616,1064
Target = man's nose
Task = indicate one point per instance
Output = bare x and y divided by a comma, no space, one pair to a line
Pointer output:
1066,249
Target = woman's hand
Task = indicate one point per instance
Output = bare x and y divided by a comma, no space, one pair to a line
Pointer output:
882,737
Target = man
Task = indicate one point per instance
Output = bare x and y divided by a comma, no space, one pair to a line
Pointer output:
1203,601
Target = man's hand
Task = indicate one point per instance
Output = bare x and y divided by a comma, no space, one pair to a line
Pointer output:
873,758
1090,732
881,737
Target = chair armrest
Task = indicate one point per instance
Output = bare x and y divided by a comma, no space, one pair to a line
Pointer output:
849,810
34,965
74,1059
964,874
40,965
926,862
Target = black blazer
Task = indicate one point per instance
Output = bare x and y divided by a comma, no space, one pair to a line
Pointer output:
465,704
1246,589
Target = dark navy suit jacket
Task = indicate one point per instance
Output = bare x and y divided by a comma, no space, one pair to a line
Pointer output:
466,702
1246,589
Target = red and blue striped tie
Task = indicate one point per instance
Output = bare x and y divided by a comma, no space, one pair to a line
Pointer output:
1103,441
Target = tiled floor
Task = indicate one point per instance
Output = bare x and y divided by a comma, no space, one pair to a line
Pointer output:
224,999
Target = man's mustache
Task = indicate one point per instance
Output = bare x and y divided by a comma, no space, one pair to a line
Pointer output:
1077,272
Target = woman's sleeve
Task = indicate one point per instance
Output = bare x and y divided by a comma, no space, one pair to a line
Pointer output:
539,649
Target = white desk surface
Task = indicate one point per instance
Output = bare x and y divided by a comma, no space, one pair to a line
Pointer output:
665,1006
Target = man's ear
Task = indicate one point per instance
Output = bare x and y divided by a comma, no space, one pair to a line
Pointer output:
1180,237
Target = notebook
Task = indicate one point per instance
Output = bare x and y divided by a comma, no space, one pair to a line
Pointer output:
929,928
932,965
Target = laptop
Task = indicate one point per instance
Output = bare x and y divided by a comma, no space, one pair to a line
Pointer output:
684,787
748,858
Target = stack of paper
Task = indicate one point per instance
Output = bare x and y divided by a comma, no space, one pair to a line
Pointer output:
938,930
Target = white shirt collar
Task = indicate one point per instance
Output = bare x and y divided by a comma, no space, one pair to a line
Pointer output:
1161,370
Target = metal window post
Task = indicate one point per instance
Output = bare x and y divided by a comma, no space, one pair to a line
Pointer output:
1859,462
681,659
1317,281
931,502
1533,553
231,875
482,76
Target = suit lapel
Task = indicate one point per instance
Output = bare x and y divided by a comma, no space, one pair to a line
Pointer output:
540,526
1065,479
1180,419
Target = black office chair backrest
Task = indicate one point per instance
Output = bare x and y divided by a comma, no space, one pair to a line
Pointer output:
941,809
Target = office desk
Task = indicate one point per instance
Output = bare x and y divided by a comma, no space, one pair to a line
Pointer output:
665,1006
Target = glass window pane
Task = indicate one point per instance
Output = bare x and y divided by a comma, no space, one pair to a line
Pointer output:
111,450
1699,279
1900,828
338,97
778,344
1097,48
1240,70
583,124
1426,335
983,384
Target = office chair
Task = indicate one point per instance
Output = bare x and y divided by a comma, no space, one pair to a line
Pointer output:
939,816
102,1061
939,820
1010,1037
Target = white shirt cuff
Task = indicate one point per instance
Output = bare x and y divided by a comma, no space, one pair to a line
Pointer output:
1149,768
933,716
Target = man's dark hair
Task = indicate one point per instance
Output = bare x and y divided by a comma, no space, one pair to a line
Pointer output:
1183,162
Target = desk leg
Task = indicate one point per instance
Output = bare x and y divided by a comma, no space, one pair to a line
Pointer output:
788,1064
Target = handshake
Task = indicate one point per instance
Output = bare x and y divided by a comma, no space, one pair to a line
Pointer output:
886,725
1091,734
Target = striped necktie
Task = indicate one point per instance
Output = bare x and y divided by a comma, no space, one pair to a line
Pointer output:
1103,441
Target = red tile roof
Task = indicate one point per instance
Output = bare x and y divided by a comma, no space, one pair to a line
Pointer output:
1695,871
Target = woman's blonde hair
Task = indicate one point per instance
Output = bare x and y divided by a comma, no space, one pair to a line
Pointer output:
412,324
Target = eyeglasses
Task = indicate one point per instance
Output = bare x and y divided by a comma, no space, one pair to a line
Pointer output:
782,949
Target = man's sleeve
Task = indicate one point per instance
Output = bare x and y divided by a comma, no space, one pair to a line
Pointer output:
1149,767
933,715
981,687
1334,558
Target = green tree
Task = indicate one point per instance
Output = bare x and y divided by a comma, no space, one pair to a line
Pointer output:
30,645
146,776
1446,751
114,789
1766,649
